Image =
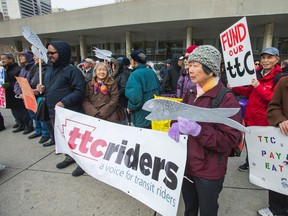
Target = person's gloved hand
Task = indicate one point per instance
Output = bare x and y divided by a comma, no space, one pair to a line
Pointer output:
188,127
173,132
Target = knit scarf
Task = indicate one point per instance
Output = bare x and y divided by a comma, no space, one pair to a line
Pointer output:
209,85
100,86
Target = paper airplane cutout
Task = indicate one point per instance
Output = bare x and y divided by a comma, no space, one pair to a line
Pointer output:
102,54
163,109
33,38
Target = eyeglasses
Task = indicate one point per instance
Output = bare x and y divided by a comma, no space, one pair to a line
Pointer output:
257,64
51,53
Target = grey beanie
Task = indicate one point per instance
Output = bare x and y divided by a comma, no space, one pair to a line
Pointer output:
208,56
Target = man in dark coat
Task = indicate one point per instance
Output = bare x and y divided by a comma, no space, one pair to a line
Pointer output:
169,85
12,70
64,86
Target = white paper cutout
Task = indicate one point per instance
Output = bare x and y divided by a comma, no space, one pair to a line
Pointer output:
102,54
33,38
163,109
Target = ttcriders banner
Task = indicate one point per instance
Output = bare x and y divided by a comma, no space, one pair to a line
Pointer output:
238,55
268,158
146,164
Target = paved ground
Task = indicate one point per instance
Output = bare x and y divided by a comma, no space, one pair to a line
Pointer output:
32,185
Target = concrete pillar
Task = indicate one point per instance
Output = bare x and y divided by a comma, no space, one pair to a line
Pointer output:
122,48
128,43
268,35
156,47
188,36
83,46
144,46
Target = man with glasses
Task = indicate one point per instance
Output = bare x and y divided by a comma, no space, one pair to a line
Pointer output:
64,86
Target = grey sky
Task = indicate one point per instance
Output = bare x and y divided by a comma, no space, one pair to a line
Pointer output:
76,4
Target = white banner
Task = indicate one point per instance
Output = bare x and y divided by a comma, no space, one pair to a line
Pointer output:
268,158
237,53
146,164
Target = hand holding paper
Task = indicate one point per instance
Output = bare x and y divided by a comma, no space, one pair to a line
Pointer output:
188,127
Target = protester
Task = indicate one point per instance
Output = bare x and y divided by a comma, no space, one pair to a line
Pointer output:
64,86
184,83
277,115
141,86
209,144
121,79
260,92
11,70
87,69
284,72
23,117
164,69
101,95
169,85
256,64
40,129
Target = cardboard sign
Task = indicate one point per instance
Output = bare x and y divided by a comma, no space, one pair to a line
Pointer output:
2,90
146,164
268,158
28,95
238,55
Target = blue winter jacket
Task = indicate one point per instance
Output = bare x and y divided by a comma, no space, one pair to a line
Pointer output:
141,86
69,85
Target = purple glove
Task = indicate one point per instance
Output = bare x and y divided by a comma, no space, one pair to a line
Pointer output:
188,127
173,132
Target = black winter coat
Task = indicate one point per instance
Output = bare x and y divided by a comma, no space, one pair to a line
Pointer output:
63,82
12,71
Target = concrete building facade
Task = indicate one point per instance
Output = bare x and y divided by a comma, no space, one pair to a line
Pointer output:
159,27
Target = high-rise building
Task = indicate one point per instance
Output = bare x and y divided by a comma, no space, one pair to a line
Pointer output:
14,9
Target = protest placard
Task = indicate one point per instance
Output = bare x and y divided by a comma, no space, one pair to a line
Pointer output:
268,158
237,53
28,95
146,164
2,90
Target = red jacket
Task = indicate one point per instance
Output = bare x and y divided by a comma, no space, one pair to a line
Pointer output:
258,98
208,152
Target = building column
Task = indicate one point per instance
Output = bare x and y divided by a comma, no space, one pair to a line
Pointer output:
144,46
268,35
156,47
122,48
128,44
188,36
83,46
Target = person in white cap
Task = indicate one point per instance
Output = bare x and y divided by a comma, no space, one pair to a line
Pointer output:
209,144
87,69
